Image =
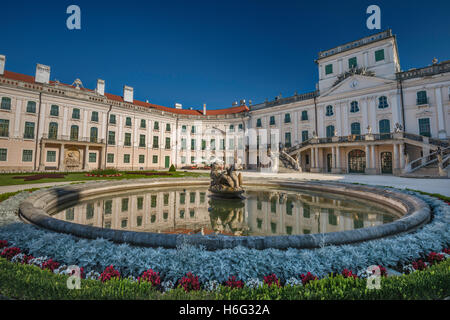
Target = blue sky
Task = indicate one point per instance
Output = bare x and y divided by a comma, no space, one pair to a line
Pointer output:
212,52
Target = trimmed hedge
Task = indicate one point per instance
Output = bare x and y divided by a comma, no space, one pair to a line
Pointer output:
30,282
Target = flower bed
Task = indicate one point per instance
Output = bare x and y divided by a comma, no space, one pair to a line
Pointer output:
103,175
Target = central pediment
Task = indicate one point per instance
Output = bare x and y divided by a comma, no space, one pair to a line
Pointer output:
356,83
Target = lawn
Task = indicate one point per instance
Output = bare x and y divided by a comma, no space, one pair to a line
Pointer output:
9,179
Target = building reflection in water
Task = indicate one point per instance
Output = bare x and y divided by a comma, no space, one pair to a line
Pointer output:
263,212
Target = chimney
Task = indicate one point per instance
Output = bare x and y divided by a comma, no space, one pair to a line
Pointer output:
42,74
128,94
178,106
204,109
2,64
100,87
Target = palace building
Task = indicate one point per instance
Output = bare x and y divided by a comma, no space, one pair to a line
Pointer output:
366,116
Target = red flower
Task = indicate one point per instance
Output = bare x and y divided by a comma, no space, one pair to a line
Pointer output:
9,253
3,244
189,282
151,276
434,257
50,265
419,265
446,250
109,273
272,280
233,283
349,274
307,278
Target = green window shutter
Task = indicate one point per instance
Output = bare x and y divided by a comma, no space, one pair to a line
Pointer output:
142,140
155,142
272,120
4,128
31,107
29,130
379,55
156,126
287,118
356,128
143,124
94,116
304,115
6,103
424,127
167,143
168,127
128,121
54,110
76,114
74,133
352,63
127,141
155,159
328,69
112,119
111,137
258,123
304,135
94,134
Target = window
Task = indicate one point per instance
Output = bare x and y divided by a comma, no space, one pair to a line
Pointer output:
382,102
156,125
112,119
222,144
127,141
354,107
143,124
140,203
93,134
183,198
142,140
193,129
92,157
240,143
287,139
166,199
192,197
306,211
424,127
54,110
213,144
167,127
76,113
6,103
422,97
183,159
192,160
330,131
29,130
258,123
203,144
193,144
4,128
304,115
128,121
332,218
183,143
74,132
287,118
126,158
379,55
155,159
355,128
231,143
183,129
3,154
141,158
328,69
51,156
27,155
352,63
240,127
53,130
31,107
107,206
329,111
124,204
304,135
155,142
167,144
89,211
231,128
112,138
272,120
385,128
94,116
110,158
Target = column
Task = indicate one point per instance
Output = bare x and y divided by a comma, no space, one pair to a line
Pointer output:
338,120
402,156
344,110
365,116
338,160
374,162
17,119
333,158
373,114
85,157
41,157
396,117
61,158
395,160
368,165
442,133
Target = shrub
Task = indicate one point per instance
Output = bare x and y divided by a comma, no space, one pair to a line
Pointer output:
272,280
172,168
234,283
419,265
9,253
307,278
434,257
3,244
349,274
104,172
152,277
109,273
189,282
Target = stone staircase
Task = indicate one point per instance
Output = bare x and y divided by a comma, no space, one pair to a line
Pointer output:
428,166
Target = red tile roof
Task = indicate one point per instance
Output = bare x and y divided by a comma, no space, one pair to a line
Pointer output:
30,79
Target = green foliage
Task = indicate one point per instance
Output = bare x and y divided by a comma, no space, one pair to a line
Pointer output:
172,168
30,282
104,172
7,195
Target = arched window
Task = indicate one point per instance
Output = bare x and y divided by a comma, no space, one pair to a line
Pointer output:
74,132
354,107
53,130
356,128
94,134
330,131
382,102
329,111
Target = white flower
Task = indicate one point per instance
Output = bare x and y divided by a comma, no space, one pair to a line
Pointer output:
254,283
293,282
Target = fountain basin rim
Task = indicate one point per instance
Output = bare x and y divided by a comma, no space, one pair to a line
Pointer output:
415,214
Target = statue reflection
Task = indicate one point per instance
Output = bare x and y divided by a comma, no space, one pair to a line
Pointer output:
228,216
